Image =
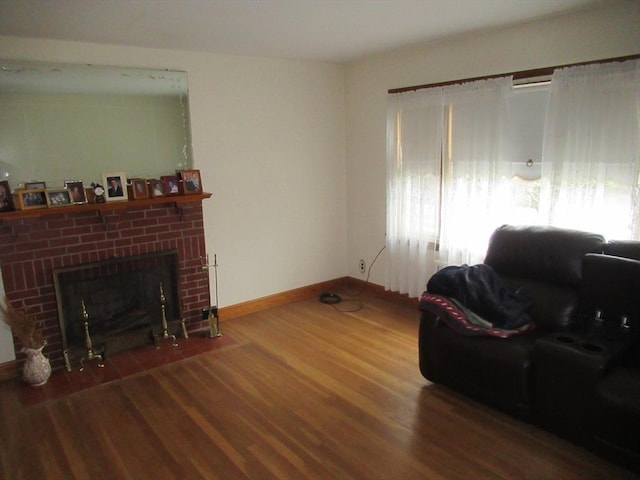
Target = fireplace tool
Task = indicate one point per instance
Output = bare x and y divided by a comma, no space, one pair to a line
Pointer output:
183,322
88,343
211,313
165,328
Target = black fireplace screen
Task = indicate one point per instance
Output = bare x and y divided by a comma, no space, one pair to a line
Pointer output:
120,299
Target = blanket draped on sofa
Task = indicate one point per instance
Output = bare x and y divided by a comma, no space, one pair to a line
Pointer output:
465,296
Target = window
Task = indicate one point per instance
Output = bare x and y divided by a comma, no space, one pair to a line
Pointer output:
465,159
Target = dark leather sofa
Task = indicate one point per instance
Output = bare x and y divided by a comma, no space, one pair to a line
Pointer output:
577,373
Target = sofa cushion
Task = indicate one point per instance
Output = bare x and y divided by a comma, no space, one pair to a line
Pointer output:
554,306
547,254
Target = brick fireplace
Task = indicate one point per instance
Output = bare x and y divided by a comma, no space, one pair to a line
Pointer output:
34,245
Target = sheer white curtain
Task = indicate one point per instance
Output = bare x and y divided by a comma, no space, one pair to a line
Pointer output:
591,151
446,180
476,188
415,122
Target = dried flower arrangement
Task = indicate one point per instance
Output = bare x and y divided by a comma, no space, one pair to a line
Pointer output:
23,326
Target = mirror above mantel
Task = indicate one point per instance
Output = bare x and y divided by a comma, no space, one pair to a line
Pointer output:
64,122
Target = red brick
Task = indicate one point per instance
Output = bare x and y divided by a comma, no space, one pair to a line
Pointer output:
137,215
32,249
157,213
29,246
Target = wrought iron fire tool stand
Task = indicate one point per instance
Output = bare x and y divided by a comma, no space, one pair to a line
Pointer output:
87,341
165,328
212,311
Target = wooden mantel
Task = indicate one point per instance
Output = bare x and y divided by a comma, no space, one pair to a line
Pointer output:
177,200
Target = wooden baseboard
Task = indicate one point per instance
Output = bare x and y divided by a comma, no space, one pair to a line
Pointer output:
302,293
8,371
279,299
380,291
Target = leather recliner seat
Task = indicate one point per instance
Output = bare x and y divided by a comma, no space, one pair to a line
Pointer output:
572,376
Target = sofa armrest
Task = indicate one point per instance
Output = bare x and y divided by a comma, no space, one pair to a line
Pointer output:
567,369
609,300
589,356
623,248
428,345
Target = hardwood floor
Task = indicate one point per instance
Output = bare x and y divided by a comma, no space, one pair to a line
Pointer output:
303,392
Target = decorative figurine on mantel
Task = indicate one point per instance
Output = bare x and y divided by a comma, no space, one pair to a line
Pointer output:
98,190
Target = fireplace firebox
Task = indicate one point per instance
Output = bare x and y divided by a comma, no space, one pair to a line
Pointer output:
123,302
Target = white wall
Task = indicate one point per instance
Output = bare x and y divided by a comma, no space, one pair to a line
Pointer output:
269,139
603,32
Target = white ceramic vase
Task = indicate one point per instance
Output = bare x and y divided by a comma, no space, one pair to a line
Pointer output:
37,368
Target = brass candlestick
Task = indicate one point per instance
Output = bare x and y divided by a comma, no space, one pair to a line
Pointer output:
165,328
87,341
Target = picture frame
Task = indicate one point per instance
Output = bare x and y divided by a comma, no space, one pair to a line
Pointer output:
191,182
139,188
35,185
77,192
6,198
156,188
171,185
29,199
59,197
116,186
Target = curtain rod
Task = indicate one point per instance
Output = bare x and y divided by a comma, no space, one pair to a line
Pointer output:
521,75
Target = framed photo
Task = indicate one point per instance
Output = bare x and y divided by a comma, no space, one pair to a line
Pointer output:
191,182
59,197
139,188
6,199
156,188
29,199
76,190
116,186
170,184
35,185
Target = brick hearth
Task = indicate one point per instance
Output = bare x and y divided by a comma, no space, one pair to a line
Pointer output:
32,246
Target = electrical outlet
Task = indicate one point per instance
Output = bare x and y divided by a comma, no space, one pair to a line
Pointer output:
363,266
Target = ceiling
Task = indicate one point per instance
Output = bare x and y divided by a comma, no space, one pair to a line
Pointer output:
321,30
